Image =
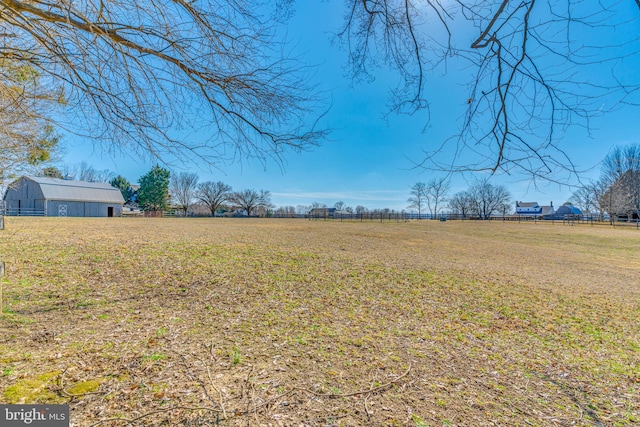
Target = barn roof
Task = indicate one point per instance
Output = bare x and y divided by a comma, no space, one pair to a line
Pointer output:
568,209
527,204
80,191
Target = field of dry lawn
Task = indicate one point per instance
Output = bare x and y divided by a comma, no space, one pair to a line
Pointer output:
229,322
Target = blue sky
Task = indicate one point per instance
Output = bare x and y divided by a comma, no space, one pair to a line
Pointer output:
367,160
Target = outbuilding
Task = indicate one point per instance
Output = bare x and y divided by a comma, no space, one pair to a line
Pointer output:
61,197
566,211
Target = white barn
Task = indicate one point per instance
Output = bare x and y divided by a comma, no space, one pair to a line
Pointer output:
60,197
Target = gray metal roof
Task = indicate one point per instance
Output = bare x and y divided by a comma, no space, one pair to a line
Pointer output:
527,204
78,191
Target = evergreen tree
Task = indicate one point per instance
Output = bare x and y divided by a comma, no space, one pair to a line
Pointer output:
122,184
154,189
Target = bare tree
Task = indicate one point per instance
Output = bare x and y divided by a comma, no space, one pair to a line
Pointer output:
461,203
286,212
418,197
488,199
619,161
302,209
85,172
130,72
621,177
251,200
622,198
536,69
213,194
436,192
339,205
586,197
360,210
182,188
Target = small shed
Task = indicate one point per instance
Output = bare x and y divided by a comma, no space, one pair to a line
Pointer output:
61,197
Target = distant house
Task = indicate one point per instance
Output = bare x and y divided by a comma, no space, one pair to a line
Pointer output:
322,212
328,213
61,197
528,208
533,209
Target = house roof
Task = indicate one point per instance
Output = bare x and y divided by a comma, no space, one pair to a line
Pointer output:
527,204
79,191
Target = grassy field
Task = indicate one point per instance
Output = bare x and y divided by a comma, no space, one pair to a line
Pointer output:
291,322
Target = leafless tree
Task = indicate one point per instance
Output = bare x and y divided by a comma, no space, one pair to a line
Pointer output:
286,212
536,69
213,194
586,198
488,199
131,73
461,203
182,188
622,197
619,161
436,192
360,209
83,171
621,178
339,205
302,209
251,200
418,197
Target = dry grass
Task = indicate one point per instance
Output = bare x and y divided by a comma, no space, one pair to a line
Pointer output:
293,322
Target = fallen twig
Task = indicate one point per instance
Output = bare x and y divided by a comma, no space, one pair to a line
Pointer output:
355,393
157,411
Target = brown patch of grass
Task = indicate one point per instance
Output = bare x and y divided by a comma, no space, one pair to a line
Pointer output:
289,322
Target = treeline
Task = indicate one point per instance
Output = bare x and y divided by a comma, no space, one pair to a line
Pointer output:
159,190
482,199
616,194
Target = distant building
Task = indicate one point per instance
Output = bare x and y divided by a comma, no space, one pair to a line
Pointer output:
533,209
322,212
528,208
61,197
328,213
567,210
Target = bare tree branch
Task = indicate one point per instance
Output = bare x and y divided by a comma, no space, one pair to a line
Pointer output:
540,69
140,76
